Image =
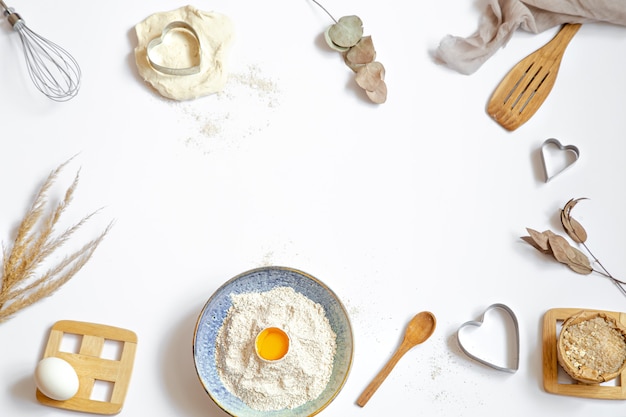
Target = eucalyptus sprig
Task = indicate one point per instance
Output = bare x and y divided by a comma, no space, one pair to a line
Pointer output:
553,244
345,36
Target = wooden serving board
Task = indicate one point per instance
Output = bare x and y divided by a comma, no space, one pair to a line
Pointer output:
90,367
551,382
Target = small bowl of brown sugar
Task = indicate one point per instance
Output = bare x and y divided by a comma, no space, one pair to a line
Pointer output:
592,347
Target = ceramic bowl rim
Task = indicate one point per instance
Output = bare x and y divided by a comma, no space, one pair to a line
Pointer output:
293,271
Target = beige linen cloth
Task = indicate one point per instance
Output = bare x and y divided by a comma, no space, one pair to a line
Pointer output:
501,18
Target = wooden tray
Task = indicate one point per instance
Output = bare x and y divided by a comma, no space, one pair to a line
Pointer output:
90,367
551,383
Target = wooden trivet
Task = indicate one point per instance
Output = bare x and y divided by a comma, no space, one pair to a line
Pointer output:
90,367
551,367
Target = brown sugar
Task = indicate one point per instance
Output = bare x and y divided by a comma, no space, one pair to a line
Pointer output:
593,349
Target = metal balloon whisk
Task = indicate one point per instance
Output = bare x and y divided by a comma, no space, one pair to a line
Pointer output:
53,70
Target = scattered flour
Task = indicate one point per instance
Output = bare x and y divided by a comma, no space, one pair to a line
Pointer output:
303,373
244,107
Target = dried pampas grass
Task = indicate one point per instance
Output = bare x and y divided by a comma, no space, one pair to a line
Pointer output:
21,281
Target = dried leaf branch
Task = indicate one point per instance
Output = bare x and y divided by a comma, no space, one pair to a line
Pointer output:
550,243
21,283
346,37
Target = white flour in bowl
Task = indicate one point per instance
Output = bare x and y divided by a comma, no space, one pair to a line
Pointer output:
301,375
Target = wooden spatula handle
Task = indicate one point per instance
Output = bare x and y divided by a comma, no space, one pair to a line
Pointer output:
568,31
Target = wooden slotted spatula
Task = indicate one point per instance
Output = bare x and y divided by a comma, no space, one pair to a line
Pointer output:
524,89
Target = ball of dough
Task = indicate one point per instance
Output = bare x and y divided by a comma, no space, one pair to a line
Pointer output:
215,35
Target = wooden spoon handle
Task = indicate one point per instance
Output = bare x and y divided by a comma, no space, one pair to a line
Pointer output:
378,379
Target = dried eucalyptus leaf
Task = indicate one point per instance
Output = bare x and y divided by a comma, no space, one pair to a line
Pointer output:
370,76
578,234
580,269
346,32
540,239
578,257
564,220
378,96
534,244
561,249
579,262
361,53
570,205
573,228
331,44
567,226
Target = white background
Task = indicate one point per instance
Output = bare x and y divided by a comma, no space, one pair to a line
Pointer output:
416,204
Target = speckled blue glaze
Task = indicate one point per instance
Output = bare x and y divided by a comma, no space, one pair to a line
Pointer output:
261,280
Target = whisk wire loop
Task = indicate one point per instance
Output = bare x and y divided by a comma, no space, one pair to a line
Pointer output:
51,68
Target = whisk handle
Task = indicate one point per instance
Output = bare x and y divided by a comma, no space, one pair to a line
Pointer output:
6,8
11,16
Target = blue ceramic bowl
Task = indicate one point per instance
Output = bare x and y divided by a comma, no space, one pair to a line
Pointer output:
261,280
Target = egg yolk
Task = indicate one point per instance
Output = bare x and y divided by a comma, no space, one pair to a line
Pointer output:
272,344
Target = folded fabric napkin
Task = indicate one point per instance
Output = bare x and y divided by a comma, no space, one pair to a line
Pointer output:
502,18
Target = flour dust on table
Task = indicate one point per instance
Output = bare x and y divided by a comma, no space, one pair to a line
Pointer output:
244,108
303,373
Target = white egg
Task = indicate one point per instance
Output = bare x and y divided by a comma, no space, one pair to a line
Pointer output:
56,378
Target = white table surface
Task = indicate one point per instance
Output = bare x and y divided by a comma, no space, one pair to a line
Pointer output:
416,204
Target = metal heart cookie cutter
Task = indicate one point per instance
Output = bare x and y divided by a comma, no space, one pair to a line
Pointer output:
514,360
568,149
177,25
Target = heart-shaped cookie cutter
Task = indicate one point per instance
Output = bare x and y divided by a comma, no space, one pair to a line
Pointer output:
565,148
478,323
159,40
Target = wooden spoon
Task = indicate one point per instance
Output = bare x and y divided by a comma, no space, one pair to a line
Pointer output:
420,328
526,86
